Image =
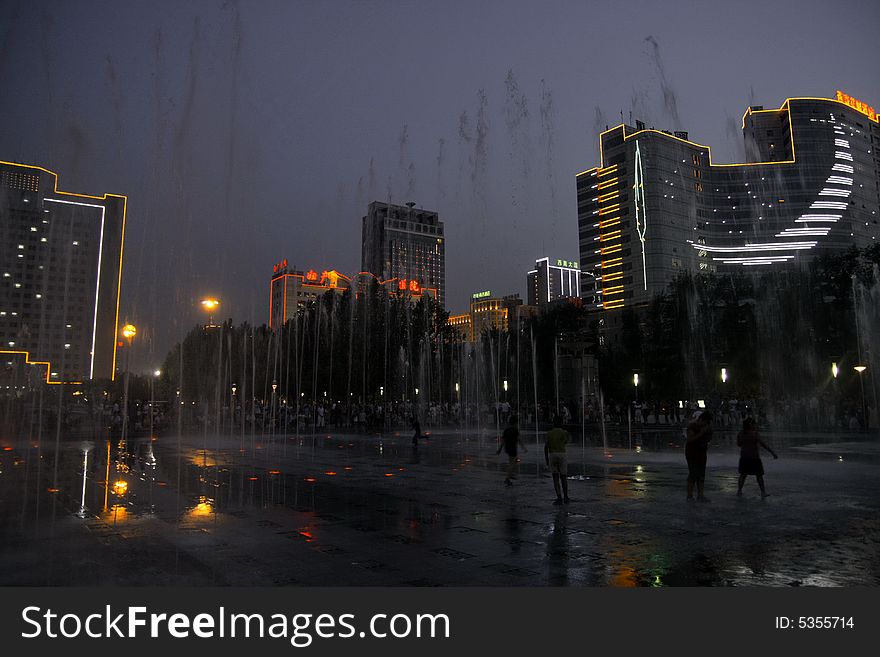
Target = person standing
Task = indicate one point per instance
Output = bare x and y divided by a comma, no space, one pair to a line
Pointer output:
510,441
417,430
749,443
699,433
554,455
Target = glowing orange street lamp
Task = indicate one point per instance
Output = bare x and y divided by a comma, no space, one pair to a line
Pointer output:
210,304
128,332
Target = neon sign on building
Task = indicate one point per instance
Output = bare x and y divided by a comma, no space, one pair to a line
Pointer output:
858,105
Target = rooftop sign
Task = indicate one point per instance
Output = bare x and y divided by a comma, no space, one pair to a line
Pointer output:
857,105
485,294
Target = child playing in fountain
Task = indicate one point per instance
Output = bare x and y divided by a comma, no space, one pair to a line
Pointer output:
699,433
750,463
510,441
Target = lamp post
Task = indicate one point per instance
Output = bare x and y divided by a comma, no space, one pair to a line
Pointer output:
128,332
234,388
274,389
210,304
156,375
860,369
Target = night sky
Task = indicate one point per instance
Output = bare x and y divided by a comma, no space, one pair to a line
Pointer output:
245,133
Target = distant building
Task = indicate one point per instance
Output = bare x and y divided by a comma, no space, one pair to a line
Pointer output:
292,289
404,243
489,312
658,205
553,279
60,272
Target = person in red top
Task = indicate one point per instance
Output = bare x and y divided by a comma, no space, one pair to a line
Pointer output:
749,443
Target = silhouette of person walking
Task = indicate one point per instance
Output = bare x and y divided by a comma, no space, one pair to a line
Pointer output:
417,430
699,433
510,441
749,443
554,454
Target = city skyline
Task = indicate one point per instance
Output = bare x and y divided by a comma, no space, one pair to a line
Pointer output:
231,138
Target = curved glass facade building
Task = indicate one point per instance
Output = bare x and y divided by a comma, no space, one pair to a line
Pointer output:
658,204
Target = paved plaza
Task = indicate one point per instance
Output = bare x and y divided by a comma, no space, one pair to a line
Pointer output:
344,509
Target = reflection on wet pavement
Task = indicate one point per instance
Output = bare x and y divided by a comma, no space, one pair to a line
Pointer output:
371,510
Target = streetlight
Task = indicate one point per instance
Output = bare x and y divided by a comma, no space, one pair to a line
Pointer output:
860,369
835,370
210,304
723,375
128,332
156,375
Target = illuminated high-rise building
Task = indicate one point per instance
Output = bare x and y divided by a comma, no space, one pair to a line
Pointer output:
404,243
551,280
60,272
659,205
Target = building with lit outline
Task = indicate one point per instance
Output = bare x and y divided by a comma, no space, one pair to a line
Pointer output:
60,276
404,243
291,289
658,205
551,280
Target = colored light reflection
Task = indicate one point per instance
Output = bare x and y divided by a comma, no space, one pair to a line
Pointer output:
311,480
204,508
330,473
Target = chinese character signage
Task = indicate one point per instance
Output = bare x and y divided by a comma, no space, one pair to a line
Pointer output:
857,105
485,294
568,264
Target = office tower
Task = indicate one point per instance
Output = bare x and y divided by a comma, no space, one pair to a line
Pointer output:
60,272
404,243
659,205
553,279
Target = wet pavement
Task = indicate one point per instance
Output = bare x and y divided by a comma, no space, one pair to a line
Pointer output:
343,509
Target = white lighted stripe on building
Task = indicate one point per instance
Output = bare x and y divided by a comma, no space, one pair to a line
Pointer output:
98,281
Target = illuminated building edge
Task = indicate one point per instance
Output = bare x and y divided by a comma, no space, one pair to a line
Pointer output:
829,207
